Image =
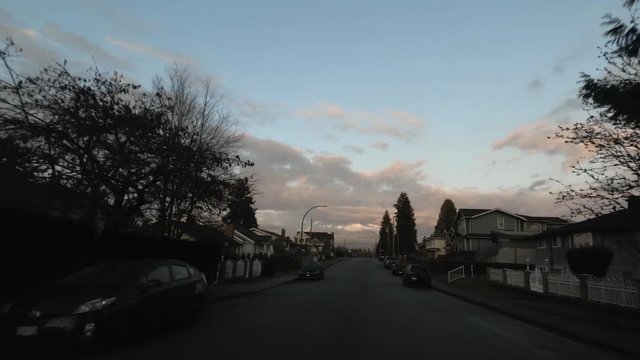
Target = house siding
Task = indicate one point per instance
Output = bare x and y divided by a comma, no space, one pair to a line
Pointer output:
486,223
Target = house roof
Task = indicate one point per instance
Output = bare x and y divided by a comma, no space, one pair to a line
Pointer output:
319,235
618,221
204,233
547,219
266,232
252,236
472,212
512,234
480,212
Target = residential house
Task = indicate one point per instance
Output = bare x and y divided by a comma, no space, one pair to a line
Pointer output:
277,240
495,235
217,233
253,243
619,231
433,246
317,243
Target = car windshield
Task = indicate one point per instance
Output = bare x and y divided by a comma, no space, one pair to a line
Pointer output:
419,268
311,267
108,273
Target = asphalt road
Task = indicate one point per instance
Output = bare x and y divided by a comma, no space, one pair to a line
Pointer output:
359,311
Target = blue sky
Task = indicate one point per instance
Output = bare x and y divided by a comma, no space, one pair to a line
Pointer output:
437,98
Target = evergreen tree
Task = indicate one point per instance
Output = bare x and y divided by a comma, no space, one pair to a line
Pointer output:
406,225
446,219
385,235
240,207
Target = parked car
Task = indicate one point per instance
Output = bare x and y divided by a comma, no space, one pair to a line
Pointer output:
107,301
312,270
389,261
416,274
397,268
381,258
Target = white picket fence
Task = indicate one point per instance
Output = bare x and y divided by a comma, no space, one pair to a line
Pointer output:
515,277
535,281
455,274
564,284
613,291
495,275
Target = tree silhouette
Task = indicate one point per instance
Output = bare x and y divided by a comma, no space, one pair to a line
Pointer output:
240,204
113,144
611,133
406,225
385,235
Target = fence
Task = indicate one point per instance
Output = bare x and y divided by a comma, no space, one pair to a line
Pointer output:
564,284
515,277
535,281
613,291
625,293
455,274
495,275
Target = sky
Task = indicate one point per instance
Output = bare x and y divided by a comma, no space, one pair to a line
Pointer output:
349,103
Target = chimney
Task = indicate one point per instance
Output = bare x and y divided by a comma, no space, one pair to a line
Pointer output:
633,203
282,234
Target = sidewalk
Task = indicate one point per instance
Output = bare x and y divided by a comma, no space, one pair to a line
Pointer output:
605,326
231,290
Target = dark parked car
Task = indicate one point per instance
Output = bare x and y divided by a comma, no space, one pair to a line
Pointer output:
110,300
397,268
415,274
381,258
389,261
312,270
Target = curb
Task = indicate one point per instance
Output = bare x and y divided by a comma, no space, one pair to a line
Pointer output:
255,291
583,339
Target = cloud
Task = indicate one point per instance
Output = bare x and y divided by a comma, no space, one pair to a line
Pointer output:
29,40
538,185
535,84
390,123
290,182
564,112
165,56
78,42
382,145
354,149
538,137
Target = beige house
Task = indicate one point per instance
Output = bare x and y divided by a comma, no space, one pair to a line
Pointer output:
434,246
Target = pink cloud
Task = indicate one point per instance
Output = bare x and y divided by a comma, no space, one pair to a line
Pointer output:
289,182
538,138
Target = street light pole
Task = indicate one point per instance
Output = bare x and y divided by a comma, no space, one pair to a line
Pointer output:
302,223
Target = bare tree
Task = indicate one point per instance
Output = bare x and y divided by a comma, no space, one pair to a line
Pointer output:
202,163
611,133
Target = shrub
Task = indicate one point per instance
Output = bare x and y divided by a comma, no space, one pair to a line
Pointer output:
592,260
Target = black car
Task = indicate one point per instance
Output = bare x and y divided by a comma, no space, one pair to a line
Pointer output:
397,268
312,270
110,300
389,261
416,274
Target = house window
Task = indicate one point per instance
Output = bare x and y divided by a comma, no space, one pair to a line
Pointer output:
541,244
557,242
500,223
532,227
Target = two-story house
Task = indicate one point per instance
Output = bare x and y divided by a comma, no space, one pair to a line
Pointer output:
496,235
433,246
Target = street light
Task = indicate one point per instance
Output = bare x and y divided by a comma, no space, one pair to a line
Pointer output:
302,223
